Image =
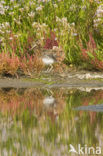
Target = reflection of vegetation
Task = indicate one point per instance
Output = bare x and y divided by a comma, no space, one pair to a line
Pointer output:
87,121
29,127
51,135
28,119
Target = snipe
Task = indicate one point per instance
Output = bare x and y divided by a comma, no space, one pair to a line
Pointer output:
49,60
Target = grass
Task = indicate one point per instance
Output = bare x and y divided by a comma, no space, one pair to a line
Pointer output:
27,27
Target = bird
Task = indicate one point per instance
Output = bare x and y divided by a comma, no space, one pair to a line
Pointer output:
49,60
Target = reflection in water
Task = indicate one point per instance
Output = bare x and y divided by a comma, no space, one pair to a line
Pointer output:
95,108
37,122
49,100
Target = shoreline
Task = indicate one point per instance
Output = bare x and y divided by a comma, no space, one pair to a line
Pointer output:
70,80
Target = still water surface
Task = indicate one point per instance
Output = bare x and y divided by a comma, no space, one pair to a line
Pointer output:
48,122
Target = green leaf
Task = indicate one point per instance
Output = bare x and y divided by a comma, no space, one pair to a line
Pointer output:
90,55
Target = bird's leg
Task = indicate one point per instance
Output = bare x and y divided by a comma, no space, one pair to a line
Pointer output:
50,69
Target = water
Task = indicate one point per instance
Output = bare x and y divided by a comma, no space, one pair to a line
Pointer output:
49,122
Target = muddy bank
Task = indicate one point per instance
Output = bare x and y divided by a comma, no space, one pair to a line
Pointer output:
72,79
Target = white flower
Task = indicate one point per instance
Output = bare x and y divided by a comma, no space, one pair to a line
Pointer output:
83,7
34,24
10,38
1,6
21,9
11,13
16,6
1,40
73,24
2,2
74,34
55,29
97,1
17,21
8,31
58,19
3,26
95,25
64,20
27,8
100,7
97,20
31,14
44,25
12,1
7,24
55,5
99,11
99,15
2,12
41,1
6,7
39,8
31,3
16,36
1,32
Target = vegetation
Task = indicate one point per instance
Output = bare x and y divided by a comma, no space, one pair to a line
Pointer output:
27,27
